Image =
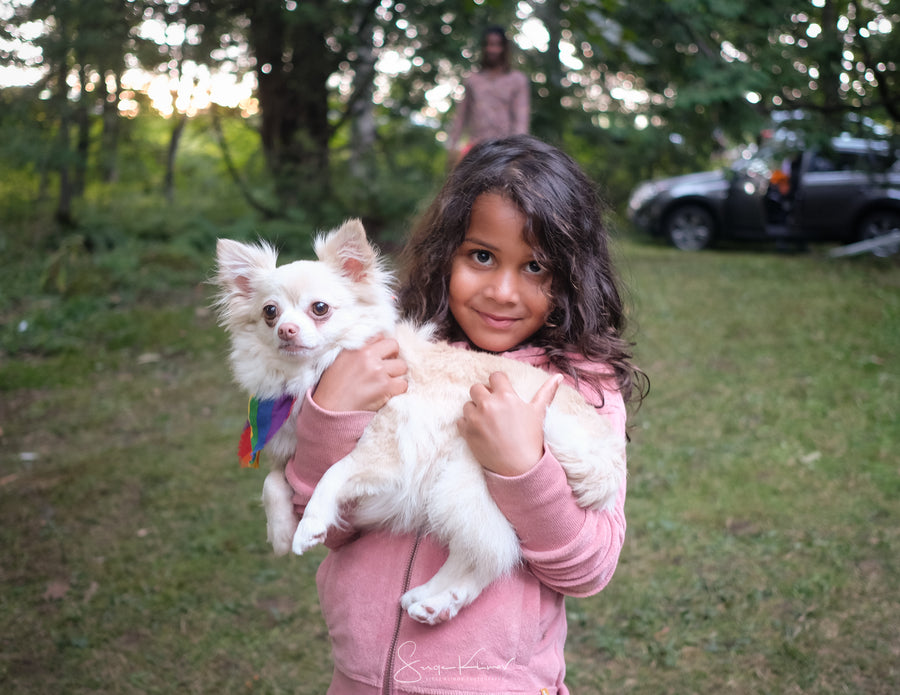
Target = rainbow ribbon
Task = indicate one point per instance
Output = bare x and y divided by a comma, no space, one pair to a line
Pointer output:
264,419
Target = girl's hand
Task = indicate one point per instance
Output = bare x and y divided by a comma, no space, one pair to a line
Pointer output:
363,379
505,433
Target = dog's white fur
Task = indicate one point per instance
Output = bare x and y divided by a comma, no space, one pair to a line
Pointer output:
411,470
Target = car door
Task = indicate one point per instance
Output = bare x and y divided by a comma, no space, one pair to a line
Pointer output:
744,210
831,188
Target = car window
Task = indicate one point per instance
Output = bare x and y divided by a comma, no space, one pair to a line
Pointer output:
822,162
832,160
884,163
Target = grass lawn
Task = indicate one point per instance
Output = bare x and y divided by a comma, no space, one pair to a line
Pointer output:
764,495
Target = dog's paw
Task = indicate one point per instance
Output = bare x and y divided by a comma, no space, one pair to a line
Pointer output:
309,534
433,610
281,541
281,535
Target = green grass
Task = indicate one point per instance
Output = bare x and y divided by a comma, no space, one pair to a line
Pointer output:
763,506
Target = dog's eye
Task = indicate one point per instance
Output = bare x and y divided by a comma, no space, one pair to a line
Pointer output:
270,312
319,308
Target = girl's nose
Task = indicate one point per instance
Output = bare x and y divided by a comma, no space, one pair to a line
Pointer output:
504,287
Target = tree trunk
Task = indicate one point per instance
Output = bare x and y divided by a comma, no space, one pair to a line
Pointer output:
83,145
174,139
63,154
293,66
109,138
362,113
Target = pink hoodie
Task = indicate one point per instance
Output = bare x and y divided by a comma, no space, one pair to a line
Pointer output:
510,639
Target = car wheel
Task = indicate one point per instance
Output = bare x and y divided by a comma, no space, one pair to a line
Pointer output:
879,223
690,227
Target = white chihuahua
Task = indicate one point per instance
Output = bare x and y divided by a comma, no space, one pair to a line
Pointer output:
411,470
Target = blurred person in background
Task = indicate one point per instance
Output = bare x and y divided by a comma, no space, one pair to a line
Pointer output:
497,100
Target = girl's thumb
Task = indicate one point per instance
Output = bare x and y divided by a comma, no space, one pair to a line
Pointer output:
545,394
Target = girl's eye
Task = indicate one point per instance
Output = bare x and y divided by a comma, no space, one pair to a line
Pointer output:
481,256
319,308
535,268
270,312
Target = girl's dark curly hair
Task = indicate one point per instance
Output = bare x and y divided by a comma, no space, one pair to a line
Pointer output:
564,225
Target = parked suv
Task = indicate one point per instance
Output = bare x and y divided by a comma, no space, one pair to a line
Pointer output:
846,191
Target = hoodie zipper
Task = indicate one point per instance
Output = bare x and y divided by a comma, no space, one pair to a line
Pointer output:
387,686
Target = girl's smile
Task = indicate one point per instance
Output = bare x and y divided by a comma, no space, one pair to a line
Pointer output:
499,292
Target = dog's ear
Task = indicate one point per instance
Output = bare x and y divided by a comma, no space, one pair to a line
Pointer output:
348,249
237,263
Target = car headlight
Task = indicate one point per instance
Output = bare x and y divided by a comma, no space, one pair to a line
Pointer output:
641,195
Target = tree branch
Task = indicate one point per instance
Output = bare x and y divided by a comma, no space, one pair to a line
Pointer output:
267,212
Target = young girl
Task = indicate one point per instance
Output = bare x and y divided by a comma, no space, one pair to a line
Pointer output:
510,258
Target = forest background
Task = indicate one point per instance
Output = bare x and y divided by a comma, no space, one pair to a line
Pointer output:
134,133
309,111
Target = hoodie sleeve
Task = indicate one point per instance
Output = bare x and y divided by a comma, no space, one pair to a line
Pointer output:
323,438
570,549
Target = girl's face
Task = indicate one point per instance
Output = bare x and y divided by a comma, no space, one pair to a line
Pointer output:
499,293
